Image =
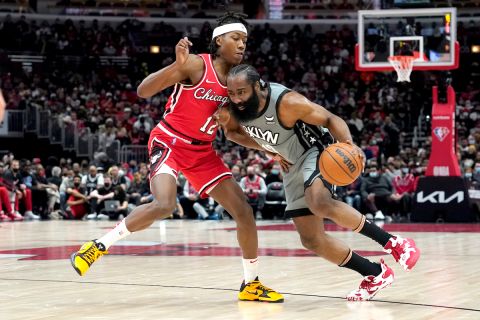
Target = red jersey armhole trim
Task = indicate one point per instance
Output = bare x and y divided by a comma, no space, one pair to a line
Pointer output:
205,71
215,72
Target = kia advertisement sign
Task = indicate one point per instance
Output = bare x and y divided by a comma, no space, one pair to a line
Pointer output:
442,199
439,197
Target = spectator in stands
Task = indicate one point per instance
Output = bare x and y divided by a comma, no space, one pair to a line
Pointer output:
404,187
178,213
393,167
236,172
116,178
355,124
6,209
56,180
392,137
476,176
108,134
142,125
98,198
92,181
138,189
352,195
258,168
116,207
85,168
255,189
77,203
21,193
377,191
77,170
192,204
47,192
275,174
67,183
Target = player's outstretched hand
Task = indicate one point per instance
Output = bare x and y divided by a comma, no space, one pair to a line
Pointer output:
360,152
182,50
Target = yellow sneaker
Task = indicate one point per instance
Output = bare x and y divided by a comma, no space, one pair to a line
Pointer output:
88,254
256,291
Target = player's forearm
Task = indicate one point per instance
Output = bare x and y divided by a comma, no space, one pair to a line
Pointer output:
107,196
243,140
339,129
157,81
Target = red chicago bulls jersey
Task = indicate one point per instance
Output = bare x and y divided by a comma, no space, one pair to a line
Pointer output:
189,109
253,185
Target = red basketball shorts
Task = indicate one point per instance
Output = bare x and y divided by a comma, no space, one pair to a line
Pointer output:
200,164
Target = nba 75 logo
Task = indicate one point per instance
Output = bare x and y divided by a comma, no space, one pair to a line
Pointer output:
441,132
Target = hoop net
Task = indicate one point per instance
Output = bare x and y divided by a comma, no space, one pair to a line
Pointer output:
403,65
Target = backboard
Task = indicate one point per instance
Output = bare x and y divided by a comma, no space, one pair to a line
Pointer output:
430,34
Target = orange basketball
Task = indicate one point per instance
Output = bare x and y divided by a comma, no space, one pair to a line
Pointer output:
341,164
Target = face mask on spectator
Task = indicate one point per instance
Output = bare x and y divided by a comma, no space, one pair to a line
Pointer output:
251,175
373,174
274,171
405,170
15,170
107,185
468,175
76,184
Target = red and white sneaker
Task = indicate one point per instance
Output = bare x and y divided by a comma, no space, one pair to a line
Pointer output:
371,285
404,251
15,216
3,216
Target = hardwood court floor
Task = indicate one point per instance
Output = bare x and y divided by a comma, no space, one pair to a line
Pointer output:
192,270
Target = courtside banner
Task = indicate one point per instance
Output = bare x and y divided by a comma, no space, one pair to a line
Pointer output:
444,198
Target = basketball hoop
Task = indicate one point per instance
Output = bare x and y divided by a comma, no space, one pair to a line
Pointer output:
403,65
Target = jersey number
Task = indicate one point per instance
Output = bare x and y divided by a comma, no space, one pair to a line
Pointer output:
211,128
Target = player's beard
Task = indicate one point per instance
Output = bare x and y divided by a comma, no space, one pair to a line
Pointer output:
250,111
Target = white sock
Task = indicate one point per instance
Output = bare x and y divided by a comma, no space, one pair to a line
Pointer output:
118,233
250,269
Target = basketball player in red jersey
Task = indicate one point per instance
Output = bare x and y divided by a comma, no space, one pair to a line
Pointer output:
182,141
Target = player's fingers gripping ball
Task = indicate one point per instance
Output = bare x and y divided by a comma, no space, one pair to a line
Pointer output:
341,163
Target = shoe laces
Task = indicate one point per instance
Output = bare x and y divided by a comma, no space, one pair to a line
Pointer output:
92,254
264,288
367,283
255,284
396,247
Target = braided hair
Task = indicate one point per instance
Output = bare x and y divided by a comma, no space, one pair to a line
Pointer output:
251,74
227,18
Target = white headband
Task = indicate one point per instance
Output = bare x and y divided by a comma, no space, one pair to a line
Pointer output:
218,31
